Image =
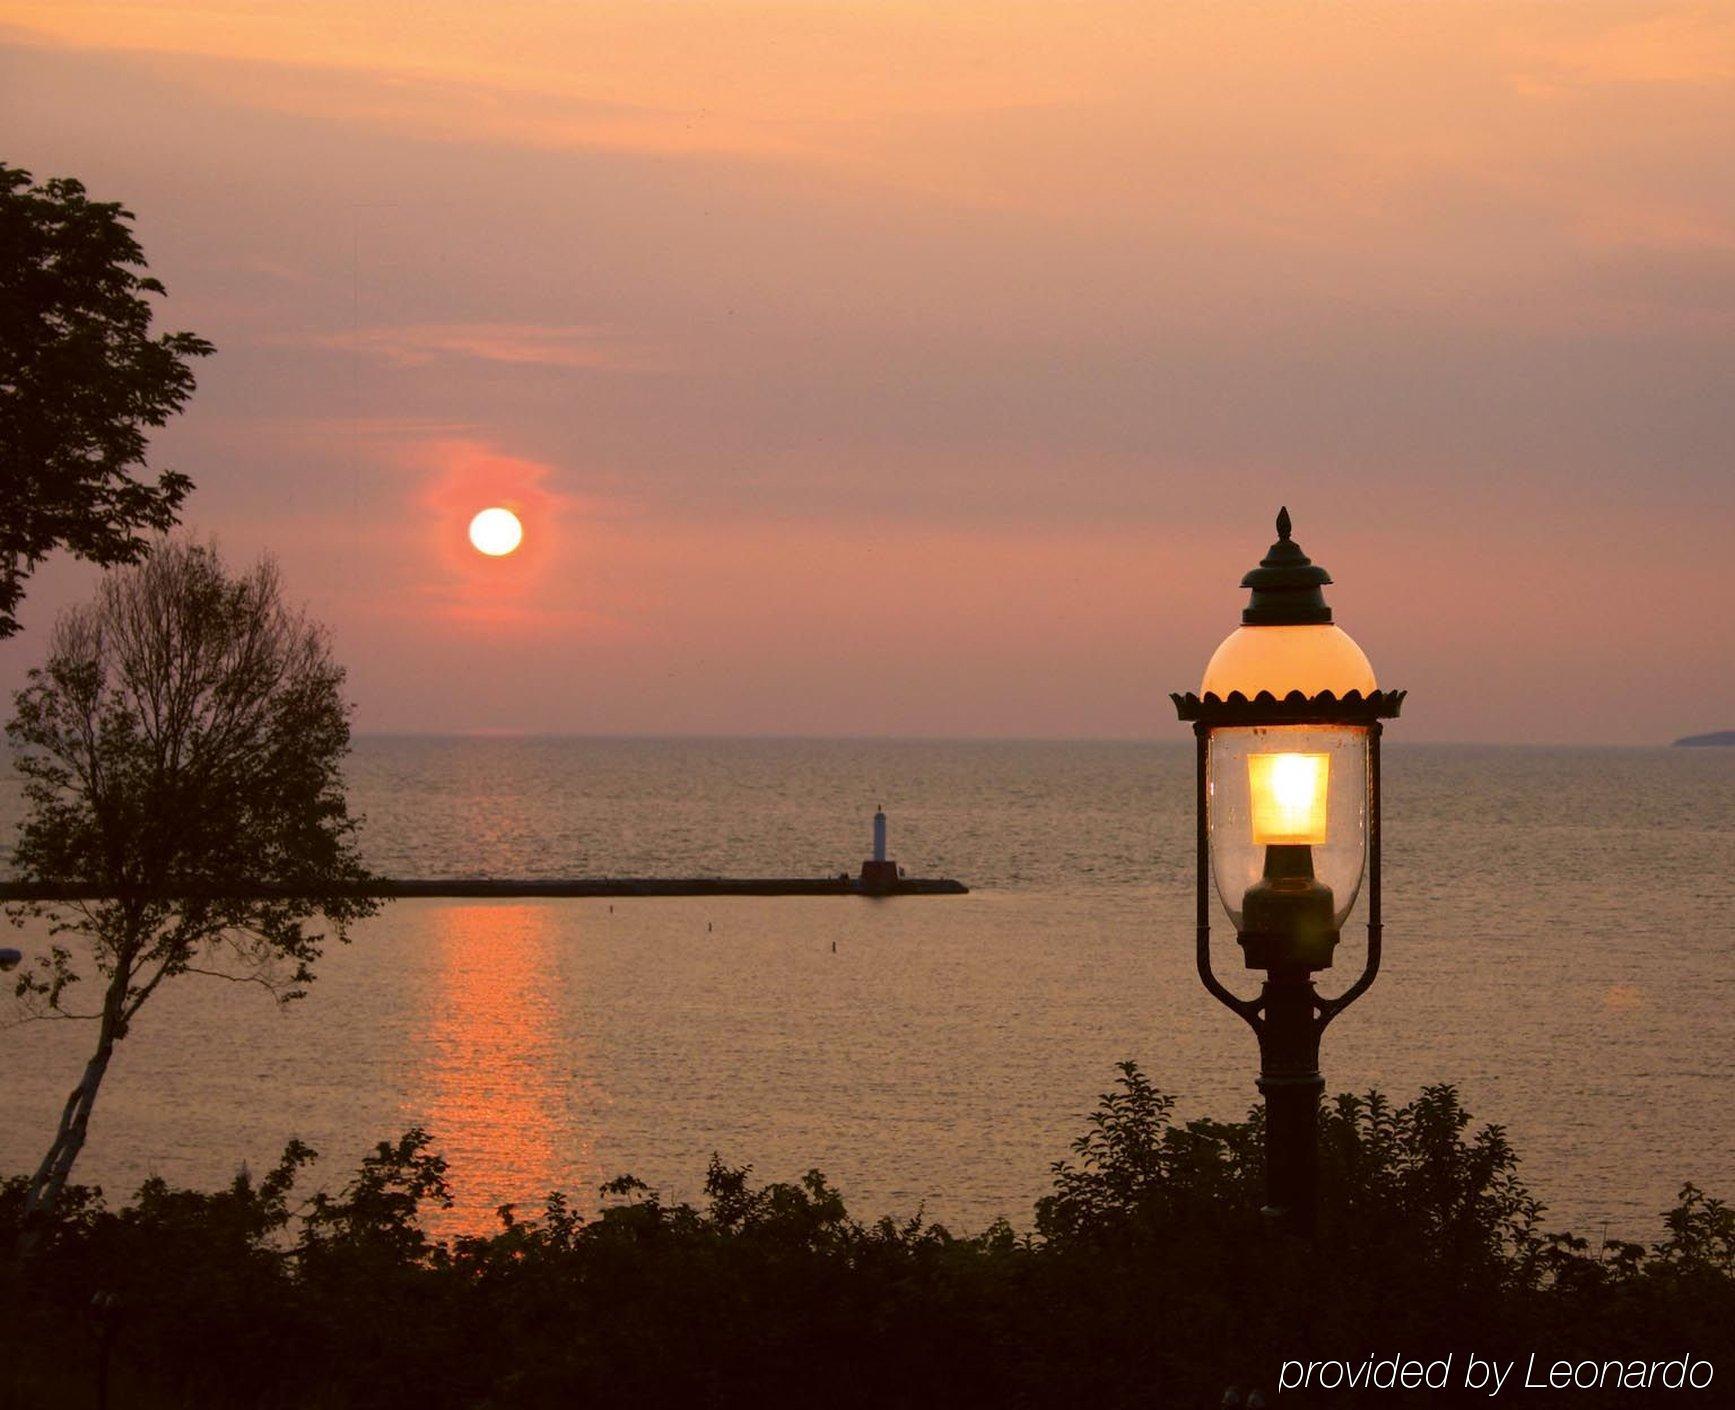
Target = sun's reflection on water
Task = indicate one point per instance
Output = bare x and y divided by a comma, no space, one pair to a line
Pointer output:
495,1079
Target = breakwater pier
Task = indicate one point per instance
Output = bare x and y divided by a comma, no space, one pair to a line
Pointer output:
509,888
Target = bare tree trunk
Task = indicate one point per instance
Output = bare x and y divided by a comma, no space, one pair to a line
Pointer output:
51,1175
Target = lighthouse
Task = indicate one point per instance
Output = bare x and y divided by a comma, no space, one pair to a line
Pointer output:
879,874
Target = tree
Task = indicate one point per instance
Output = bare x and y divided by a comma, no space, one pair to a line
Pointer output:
81,381
181,753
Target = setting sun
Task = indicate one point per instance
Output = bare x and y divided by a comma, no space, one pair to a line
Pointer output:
496,532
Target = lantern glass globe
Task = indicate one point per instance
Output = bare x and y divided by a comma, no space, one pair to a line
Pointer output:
1299,787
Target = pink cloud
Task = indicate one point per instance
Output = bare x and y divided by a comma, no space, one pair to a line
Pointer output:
1688,47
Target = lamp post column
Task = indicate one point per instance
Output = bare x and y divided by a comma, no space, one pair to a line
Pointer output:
1290,1081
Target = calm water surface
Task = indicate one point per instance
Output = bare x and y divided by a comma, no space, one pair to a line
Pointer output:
1560,931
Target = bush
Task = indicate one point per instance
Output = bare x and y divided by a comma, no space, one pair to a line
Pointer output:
1149,1279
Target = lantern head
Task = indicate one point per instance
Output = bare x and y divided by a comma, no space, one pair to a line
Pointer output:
1286,708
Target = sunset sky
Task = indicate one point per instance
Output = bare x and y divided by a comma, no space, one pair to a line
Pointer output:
867,367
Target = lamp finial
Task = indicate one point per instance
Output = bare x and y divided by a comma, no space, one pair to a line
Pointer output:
1286,585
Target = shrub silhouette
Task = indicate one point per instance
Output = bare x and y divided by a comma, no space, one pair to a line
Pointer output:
1148,1279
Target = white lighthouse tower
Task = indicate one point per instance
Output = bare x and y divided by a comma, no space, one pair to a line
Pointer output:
879,874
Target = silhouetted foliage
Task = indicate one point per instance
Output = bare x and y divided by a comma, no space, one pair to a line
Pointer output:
181,749
81,380
1149,1281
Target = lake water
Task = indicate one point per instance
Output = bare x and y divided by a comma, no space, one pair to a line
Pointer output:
1560,942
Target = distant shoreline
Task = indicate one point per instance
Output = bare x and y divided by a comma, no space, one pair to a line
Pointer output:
1717,739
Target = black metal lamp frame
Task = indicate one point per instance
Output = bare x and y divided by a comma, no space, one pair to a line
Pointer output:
1290,1015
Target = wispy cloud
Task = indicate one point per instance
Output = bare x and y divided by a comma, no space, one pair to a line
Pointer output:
395,430
522,344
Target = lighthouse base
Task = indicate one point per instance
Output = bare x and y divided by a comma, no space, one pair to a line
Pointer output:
879,877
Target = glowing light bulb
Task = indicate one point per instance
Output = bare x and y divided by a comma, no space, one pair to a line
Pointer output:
1289,797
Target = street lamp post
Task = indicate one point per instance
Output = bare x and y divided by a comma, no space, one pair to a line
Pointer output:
1288,722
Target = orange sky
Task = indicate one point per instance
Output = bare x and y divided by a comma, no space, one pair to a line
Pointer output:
897,368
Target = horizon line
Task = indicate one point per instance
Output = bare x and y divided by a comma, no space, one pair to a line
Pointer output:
744,736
